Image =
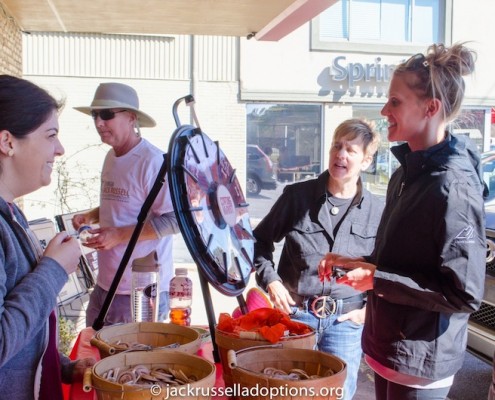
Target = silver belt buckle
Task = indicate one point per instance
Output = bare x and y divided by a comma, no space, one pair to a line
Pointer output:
323,306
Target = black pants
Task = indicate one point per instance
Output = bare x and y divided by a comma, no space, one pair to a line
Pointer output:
386,390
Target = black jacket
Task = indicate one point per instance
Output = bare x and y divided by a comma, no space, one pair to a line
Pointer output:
430,253
301,216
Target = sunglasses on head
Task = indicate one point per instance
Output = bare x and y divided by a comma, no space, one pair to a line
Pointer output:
418,61
105,115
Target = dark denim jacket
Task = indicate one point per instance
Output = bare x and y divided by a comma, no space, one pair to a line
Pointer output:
301,217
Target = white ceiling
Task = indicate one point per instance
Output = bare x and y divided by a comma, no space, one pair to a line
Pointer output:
267,19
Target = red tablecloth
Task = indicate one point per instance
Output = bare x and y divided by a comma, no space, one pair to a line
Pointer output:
82,348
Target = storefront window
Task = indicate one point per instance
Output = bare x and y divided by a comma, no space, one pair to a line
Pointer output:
470,122
290,135
381,22
376,177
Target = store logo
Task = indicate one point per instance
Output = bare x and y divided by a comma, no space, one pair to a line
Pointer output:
466,235
358,72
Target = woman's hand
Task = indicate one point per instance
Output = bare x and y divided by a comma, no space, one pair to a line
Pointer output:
80,367
65,250
280,296
331,260
359,276
356,316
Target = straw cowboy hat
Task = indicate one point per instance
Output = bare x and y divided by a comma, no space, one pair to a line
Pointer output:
118,95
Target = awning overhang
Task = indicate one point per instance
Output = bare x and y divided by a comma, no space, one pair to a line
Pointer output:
268,20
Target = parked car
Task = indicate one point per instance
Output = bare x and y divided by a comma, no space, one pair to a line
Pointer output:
488,164
481,328
260,171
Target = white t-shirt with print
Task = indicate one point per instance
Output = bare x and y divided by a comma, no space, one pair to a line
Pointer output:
126,182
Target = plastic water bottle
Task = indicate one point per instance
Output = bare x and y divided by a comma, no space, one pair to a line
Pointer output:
145,298
180,298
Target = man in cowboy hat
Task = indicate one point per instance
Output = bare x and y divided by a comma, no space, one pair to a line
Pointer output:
129,171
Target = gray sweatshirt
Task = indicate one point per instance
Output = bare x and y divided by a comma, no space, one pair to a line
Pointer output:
28,294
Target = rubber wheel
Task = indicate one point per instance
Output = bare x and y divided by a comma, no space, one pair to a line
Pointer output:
253,185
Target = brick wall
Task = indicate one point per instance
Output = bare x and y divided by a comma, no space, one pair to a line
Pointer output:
10,45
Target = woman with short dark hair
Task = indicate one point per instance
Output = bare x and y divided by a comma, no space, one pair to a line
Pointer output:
334,211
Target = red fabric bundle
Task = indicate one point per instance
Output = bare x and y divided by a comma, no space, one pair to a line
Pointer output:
270,323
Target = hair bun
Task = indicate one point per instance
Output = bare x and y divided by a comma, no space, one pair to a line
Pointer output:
457,57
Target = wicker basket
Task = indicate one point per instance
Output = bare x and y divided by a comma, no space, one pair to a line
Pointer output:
154,334
227,341
247,366
202,369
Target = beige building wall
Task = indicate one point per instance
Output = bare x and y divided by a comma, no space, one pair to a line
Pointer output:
10,49
10,45
162,70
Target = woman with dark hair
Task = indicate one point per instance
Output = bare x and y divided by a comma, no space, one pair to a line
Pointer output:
30,278
426,272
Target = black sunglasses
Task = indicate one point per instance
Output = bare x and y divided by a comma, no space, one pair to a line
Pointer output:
417,61
105,115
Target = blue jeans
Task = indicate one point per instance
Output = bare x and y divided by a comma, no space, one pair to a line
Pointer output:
341,339
120,309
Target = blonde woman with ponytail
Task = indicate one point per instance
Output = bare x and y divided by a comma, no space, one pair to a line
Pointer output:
426,273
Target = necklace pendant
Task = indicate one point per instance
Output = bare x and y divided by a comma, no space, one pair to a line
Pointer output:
334,210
